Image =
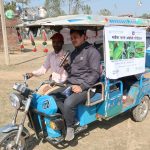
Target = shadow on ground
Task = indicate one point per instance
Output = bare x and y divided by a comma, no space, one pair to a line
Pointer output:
105,124
29,60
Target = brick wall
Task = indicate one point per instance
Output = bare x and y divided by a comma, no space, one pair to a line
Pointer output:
11,35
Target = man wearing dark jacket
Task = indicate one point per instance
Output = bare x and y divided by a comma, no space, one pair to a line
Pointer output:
83,72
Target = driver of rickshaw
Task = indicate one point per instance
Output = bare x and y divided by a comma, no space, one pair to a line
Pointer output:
52,62
83,70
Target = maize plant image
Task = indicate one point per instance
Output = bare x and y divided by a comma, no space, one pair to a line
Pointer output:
126,49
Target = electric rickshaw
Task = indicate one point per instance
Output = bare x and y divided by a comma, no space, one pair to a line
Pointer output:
123,85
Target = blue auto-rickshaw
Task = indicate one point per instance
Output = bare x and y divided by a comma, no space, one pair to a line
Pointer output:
115,93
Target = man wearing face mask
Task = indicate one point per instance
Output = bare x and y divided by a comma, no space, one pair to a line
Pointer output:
52,62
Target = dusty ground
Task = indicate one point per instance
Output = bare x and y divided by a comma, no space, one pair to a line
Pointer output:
120,133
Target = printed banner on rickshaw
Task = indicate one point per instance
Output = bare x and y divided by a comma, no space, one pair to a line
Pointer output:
125,51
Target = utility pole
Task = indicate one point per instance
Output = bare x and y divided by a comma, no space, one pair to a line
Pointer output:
4,32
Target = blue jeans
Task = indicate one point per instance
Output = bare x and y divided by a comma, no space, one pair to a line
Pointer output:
68,105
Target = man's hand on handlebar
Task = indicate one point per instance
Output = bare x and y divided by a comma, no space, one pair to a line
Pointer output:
29,75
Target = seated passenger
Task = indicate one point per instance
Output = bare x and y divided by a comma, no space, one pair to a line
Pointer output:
83,72
52,61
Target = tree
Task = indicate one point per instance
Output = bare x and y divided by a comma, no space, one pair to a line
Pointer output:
146,16
79,6
54,8
10,5
86,9
69,5
104,12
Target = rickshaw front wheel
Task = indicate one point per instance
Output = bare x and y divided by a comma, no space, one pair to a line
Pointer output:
140,112
7,141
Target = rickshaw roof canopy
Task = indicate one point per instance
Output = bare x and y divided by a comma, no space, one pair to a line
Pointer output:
89,20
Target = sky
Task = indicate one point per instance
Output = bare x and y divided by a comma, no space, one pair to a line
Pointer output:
117,7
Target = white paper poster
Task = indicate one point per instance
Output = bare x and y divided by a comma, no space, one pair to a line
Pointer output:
125,51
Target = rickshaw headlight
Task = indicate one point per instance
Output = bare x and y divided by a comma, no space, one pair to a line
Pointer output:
15,100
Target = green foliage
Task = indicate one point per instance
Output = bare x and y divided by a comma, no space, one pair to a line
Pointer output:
104,12
78,6
44,43
116,48
86,9
126,50
10,5
54,8
146,16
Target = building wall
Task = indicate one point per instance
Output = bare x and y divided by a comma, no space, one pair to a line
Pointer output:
11,35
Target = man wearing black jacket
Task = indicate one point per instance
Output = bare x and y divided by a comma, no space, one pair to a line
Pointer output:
83,72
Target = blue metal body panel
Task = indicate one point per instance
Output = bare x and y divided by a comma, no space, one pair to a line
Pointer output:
114,99
86,114
144,89
46,104
101,108
114,103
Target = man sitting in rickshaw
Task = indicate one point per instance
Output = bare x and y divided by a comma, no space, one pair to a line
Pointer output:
52,61
83,72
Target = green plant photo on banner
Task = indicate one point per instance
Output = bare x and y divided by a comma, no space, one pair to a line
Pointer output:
126,49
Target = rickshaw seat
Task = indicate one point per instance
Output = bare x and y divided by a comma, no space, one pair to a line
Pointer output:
96,97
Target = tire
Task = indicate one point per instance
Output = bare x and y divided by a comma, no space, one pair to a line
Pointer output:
7,140
140,112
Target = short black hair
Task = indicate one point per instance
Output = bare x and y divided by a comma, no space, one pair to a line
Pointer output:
80,32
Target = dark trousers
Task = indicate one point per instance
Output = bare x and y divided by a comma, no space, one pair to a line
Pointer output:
68,105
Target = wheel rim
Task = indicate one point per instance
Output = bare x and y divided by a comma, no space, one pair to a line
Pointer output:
8,143
143,108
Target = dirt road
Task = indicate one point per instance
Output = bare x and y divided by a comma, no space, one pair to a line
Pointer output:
120,133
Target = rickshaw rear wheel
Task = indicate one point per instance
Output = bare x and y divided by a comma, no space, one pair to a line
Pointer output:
140,112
